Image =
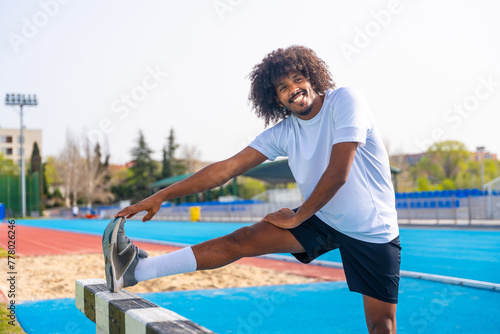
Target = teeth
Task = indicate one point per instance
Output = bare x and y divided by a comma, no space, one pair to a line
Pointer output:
298,98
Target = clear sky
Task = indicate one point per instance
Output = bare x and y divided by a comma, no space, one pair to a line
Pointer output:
430,70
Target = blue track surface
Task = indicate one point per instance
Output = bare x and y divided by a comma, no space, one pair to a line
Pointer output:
424,307
472,254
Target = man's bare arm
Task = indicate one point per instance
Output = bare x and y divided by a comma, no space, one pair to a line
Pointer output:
330,182
209,177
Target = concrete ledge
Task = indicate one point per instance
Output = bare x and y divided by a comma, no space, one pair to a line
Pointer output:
125,312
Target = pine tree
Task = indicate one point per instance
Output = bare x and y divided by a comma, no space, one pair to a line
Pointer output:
170,165
143,170
36,167
36,159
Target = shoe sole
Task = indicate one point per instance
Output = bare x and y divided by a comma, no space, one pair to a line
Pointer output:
109,243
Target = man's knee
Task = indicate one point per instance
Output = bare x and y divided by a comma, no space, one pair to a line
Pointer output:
240,239
382,324
380,316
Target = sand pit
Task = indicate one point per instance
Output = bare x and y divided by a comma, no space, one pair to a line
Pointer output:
49,277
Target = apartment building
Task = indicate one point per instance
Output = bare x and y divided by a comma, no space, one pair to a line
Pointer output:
10,143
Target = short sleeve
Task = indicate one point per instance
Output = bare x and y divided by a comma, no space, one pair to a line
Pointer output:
351,117
271,142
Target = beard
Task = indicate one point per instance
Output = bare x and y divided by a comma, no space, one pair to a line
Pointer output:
308,109
305,112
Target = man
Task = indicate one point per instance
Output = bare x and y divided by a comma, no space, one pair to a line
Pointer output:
341,167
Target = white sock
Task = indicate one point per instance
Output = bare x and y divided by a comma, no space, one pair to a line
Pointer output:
178,262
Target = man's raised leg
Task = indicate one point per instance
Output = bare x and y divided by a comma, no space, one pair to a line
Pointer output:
257,239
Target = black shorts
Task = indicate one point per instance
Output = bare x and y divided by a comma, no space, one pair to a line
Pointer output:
370,269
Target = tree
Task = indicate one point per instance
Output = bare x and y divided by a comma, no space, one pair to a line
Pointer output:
448,155
36,167
191,156
423,184
52,174
71,167
491,170
7,166
470,175
52,179
249,187
95,178
36,159
143,169
448,184
445,165
120,187
170,165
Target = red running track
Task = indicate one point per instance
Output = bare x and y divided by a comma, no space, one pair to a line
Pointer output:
32,241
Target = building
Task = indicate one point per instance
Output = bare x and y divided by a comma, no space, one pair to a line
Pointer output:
10,143
407,159
482,155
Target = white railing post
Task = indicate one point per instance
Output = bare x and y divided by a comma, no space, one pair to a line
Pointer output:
491,186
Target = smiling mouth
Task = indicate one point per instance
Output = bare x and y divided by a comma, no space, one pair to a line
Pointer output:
299,97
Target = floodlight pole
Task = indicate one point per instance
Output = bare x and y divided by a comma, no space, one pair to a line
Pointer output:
21,100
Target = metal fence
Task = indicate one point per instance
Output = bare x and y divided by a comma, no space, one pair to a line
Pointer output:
464,208
10,194
220,212
445,207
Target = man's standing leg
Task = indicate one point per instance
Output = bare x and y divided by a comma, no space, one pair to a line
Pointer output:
380,316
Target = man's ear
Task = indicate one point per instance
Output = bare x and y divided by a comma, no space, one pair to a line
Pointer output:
278,101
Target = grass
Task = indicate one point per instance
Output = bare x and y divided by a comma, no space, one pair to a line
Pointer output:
3,253
5,327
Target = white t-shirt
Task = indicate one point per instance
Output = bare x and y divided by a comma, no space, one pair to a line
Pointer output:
364,208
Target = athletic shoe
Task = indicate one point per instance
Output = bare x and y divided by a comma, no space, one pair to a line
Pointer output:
120,256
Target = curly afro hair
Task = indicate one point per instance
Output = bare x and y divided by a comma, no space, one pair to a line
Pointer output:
278,64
